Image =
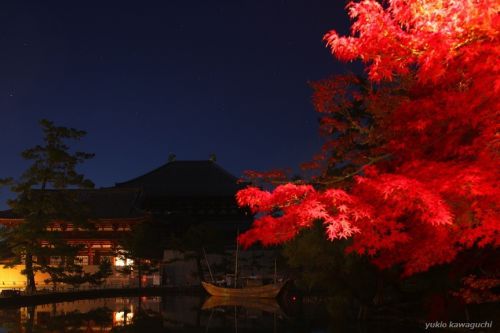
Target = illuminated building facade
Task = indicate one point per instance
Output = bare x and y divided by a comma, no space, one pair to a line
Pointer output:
173,196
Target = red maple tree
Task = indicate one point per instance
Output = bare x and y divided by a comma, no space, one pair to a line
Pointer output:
410,167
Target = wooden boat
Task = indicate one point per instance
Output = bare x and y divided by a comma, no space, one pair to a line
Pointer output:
263,304
265,291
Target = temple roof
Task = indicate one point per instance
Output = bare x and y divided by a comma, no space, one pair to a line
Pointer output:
186,179
7,214
102,203
113,203
173,180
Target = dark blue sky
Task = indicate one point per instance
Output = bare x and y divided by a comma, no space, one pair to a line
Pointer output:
146,78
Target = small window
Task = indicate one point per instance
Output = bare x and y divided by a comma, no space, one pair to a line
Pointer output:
55,261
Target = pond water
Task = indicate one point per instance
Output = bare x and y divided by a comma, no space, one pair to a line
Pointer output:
181,314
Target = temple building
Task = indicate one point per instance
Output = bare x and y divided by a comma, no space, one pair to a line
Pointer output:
192,191
113,212
173,197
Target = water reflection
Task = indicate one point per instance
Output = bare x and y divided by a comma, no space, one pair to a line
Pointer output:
263,304
146,314
185,314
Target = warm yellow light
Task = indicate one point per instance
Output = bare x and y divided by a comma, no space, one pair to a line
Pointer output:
121,262
120,317
11,278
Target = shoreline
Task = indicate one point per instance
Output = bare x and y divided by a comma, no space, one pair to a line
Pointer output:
56,297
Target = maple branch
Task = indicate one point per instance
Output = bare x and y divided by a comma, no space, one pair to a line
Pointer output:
334,180
354,173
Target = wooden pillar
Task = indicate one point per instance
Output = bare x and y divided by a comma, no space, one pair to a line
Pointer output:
90,254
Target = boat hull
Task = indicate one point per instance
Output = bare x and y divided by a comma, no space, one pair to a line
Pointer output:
265,291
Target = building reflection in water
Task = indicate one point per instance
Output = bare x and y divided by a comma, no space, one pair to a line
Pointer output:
144,315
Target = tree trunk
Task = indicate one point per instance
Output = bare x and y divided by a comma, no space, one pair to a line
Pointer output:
30,322
139,272
30,274
379,296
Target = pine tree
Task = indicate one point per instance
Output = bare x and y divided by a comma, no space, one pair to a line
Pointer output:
46,193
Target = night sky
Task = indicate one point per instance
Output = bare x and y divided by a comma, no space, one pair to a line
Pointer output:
146,79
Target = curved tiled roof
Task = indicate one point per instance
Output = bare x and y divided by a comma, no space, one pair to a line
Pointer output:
186,178
112,202
176,179
102,203
7,214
